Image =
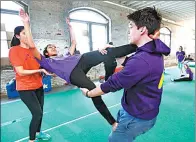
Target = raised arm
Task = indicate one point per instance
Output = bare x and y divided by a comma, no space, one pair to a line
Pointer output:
25,19
73,39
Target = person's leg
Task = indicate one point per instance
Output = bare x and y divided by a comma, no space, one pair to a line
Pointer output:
40,96
182,79
94,58
30,99
79,78
121,51
129,127
110,67
180,67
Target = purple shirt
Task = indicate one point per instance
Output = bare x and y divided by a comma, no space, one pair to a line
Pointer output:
61,66
188,71
140,79
180,55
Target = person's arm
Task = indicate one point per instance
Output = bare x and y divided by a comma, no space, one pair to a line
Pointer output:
128,77
17,61
73,39
25,19
177,56
22,72
184,56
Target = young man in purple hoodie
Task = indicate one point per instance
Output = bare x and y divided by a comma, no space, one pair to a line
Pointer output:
141,79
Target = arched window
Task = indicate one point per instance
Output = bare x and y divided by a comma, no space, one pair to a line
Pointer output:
9,20
91,28
165,36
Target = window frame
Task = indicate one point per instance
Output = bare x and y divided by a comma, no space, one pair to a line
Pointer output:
13,12
89,24
164,34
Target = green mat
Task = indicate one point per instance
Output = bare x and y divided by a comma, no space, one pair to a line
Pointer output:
70,117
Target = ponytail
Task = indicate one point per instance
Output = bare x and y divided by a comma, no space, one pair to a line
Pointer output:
15,41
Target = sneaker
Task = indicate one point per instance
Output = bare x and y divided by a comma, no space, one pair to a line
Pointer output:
36,140
43,136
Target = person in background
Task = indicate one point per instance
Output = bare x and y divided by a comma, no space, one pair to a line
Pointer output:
189,58
187,77
180,57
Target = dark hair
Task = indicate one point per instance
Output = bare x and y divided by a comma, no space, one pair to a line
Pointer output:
147,17
187,66
45,51
15,41
110,43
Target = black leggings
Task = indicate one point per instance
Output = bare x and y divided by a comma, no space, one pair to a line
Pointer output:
109,66
182,79
34,100
88,60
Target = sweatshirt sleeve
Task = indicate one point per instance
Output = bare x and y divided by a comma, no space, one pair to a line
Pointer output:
134,71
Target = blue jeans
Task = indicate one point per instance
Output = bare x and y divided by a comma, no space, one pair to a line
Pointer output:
129,127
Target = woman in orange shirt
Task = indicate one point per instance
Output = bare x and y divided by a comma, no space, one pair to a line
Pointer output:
28,81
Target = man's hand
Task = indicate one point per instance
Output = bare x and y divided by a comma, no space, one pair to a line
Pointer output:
114,126
84,90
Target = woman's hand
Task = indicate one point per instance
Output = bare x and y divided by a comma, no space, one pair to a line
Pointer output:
103,51
68,22
45,72
156,35
24,16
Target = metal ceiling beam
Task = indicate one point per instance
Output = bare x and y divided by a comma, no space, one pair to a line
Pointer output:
137,4
185,13
150,4
180,9
164,19
123,2
173,4
131,2
181,12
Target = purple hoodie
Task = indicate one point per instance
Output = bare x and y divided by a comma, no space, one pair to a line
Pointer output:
140,79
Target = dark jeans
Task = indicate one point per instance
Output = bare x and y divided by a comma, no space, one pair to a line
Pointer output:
129,127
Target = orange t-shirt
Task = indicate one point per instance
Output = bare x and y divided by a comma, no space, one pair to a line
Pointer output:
23,57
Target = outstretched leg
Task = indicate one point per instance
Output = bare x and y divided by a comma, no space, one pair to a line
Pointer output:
79,78
94,58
